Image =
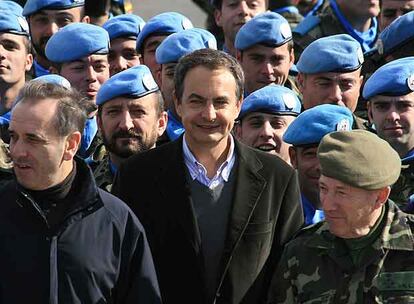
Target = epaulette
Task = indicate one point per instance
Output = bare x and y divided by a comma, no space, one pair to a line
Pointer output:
307,25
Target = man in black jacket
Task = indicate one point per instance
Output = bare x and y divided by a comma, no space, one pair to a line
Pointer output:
63,240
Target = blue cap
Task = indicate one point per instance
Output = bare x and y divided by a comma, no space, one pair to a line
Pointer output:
313,124
127,25
133,82
165,23
337,53
272,99
33,6
13,24
399,32
270,29
12,7
75,41
182,43
55,79
395,78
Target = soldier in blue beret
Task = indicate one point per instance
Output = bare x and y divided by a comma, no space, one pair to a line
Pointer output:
304,134
390,95
357,18
230,15
167,55
393,9
265,51
79,52
154,32
15,57
130,117
123,31
330,72
46,17
264,117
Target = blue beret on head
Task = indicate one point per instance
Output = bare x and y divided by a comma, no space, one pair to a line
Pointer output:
12,7
127,25
399,32
395,78
75,41
165,23
55,79
337,53
273,99
133,82
313,124
182,43
270,29
12,23
33,6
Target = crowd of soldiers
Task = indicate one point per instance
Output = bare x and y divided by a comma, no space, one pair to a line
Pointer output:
155,162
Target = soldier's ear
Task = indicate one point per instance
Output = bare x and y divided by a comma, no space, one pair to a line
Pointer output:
382,196
293,157
369,110
86,19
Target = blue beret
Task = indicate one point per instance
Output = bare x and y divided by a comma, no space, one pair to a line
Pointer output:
182,43
395,78
12,7
273,99
55,79
270,29
399,32
127,25
75,41
337,53
133,82
165,23
14,24
33,6
313,124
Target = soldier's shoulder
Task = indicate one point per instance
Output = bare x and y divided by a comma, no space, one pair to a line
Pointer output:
305,234
307,25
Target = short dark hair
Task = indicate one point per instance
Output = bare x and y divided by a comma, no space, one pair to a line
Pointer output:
210,59
72,108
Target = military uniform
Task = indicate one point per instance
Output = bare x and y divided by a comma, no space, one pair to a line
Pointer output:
317,268
402,190
6,173
103,174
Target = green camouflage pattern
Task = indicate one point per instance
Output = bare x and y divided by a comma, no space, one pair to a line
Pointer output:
316,267
404,188
6,165
103,175
293,19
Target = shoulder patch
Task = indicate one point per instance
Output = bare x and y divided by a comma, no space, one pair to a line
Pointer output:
307,25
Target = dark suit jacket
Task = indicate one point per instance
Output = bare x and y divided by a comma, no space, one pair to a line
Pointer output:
266,212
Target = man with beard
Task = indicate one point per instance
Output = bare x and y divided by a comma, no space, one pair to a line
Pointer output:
79,53
130,118
45,18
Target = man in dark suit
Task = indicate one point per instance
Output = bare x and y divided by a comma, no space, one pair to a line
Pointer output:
216,212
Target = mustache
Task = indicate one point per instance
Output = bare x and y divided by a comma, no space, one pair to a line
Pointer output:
126,134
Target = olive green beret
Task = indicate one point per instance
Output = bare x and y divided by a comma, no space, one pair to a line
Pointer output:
359,158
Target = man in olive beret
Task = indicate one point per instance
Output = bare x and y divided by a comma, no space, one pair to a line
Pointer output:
363,251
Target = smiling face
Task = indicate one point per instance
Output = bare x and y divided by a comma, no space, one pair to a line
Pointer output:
208,106
87,74
393,117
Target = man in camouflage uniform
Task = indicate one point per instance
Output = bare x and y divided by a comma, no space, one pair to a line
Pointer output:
390,95
354,17
130,119
363,252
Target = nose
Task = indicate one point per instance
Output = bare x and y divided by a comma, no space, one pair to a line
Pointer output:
126,123
91,75
266,130
243,8
17,149
335,95
51,28
209,112
393,114
327,201
267,68
118,65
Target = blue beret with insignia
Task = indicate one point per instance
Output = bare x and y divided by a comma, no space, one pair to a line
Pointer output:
182,43
33,6
313,124
337,53
395,78
270,29
272,99
75,41
12,7
127,25
133,82
55,79
163,24
13,24
399,32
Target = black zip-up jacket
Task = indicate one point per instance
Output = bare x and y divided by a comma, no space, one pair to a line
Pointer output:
98,254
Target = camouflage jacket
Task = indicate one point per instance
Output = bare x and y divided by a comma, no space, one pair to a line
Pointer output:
315,269
103,175
402,190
